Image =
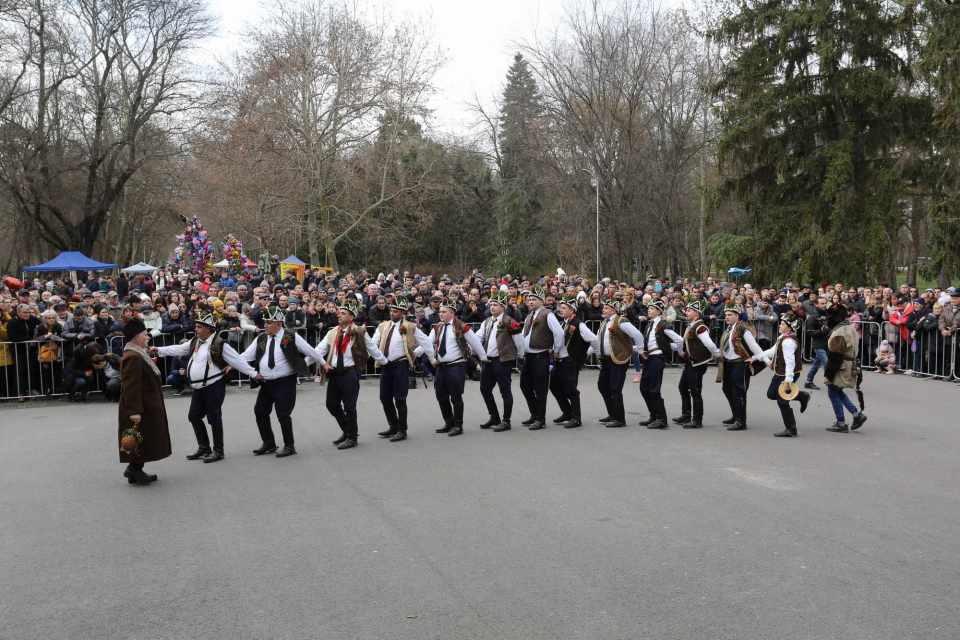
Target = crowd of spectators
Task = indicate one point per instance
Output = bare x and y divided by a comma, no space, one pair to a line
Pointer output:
59,336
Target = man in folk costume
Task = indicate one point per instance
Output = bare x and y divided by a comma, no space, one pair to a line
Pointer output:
658,341
842,368
501,338
617,341
738,348
401,343
784,358
542,335
577,341
452,340
279,357
697,350
348,346
211,359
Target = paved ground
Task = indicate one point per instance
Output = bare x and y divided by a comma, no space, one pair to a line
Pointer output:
588,533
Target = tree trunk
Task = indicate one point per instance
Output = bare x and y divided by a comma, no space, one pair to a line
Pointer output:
914,248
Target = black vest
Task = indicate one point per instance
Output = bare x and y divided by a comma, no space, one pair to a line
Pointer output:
290,352
576,345
216,346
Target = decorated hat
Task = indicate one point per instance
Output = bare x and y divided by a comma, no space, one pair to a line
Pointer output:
732,307
571,301
351,305
500,297
274,314
207,319
696,305
656,304
400,303
537,292
133,328
450,303
615,303
791,320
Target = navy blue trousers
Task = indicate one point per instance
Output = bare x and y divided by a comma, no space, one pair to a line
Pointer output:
279,394
773,393
535,379
342,391
496,373
652,378
208,402
563,386
449,382
736,381
610,382
394,379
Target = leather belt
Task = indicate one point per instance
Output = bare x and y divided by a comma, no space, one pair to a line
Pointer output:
403,359
537,354
444,365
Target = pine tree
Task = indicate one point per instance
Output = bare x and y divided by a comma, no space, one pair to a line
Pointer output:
813,121
520,203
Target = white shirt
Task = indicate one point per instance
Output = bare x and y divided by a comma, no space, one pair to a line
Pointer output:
728,351
552,323
281,368
589,336
453,353
490,341
196,367
372,349
394,350
651,346
789,355
632,332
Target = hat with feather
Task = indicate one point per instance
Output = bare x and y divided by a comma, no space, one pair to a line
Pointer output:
207,319
791,320
571,300
449,303
500,297
274,314
351,305
400,303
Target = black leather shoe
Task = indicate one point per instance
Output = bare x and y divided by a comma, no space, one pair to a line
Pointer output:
503,426
142,478
200,453
492,422
607,419
737,427
456,431
286,451
786,433
804,401
215,455
693,424
658,424
838,427
616,424
445,428
340,440
730,420
398,436
349,443
684,419
649,421
858,421
561,419
388,433
529,421
810,385
266,447
537,425
572,423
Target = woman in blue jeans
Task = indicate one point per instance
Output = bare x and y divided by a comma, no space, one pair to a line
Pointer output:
842,367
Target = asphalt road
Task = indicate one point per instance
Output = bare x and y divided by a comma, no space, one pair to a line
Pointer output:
587,533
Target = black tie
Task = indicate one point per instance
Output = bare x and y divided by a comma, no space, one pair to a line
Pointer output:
442,351
340,350
270,359
386,345
603,332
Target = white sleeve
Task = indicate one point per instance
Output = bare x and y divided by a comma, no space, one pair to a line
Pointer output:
175,350
235,360
518,343
311,354
554,325
323,347
708,343
250,352
590,337
423,343
767,356
752,343
475,344
633,333
675,340
789,358
373,349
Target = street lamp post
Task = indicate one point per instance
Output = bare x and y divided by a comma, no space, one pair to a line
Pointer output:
595,183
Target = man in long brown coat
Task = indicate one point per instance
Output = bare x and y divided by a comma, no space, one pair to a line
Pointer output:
141,405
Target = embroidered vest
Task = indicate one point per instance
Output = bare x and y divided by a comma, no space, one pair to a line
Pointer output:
409,341
662,341
621,349
358,349
697,352
540,335
780,364
506,349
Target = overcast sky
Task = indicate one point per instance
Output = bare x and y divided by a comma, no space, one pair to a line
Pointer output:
475,35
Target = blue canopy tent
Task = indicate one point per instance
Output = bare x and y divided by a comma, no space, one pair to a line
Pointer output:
293,259
71,261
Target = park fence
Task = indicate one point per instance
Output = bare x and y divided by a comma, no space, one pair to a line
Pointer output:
35,368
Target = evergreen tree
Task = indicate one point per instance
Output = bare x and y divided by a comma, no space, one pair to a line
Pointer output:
813,121
521,199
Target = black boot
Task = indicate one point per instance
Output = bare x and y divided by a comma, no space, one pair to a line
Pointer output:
266,447
446,410
804,399
217,454
563,417
493,412
696,422
839,427
401,433
507,412
660,413
858,421
541,422
342,423
609,418
789,427
653,413
740,424
684,409
617,410
457,420
352,432
135,475
390,431
733,414
532,407
200,431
